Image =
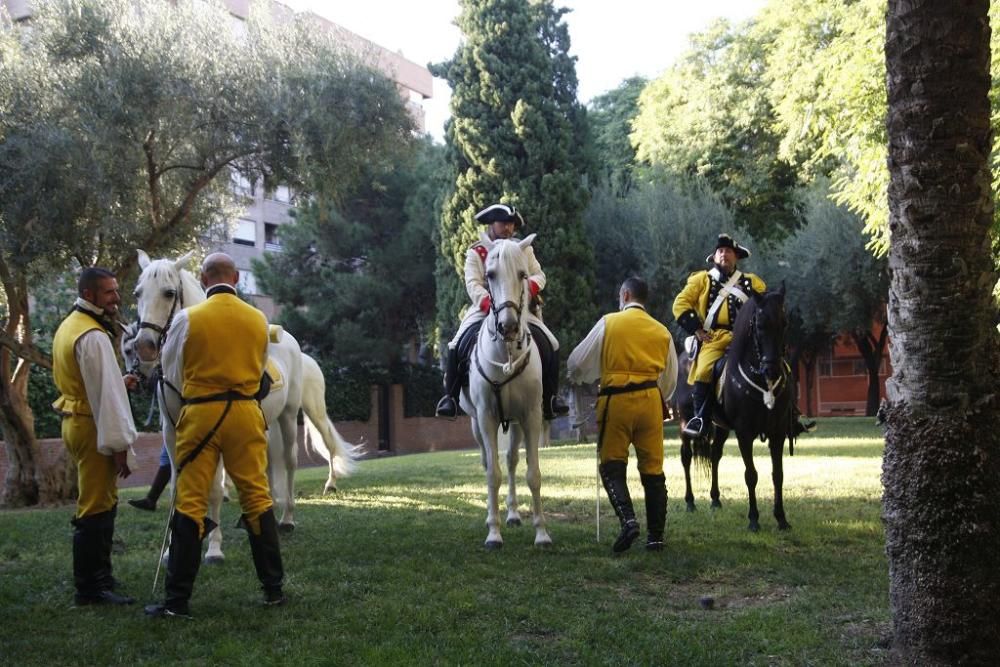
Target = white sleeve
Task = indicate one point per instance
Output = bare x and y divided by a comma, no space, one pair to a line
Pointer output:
584,363
668,378
105,392
475,277
535,272
172,354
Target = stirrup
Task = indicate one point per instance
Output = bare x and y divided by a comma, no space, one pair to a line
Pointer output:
695,428
446,408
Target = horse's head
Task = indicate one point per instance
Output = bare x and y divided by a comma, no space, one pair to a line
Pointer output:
159,294
507,283
768,324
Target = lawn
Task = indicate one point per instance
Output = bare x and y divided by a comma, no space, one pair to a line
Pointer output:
391,571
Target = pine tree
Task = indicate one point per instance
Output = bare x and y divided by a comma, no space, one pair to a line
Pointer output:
518,136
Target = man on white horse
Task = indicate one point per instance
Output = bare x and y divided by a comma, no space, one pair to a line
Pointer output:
97,429
633,356
215,355
502,221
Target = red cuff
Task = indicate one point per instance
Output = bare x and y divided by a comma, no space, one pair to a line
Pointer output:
484,305
533,286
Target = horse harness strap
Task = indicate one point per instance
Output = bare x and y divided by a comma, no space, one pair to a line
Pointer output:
613,391
496,386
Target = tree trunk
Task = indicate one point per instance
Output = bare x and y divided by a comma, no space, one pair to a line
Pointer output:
941,469
871,352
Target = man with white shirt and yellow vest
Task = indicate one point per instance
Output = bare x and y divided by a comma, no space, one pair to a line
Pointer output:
97,429
706,308
215,354
633,356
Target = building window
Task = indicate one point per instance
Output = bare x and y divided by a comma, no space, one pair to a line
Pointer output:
280,193
248,283
271,239
246,232
242,185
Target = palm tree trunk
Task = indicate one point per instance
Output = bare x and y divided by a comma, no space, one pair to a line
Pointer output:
941,471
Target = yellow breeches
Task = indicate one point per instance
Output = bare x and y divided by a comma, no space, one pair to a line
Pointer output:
95,472
636,418
711,351
241,443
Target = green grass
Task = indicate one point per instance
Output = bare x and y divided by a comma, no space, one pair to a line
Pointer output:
391,571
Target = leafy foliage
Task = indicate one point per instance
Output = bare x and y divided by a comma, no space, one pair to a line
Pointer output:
710,115
518,135
610,117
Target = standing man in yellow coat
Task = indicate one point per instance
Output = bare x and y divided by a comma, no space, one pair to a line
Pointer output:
706,308
634,357
215,355
97,428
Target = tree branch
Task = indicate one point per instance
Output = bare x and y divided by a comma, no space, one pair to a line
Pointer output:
28,352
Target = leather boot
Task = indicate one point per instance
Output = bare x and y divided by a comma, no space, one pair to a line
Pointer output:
155,490
613,477
92,561
447,407
698,426
656,509
552,403
182,567
266,551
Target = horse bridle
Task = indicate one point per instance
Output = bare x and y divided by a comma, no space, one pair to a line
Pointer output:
768,393
518,308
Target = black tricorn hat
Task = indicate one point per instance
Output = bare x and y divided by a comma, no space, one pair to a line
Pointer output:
726,241
500,213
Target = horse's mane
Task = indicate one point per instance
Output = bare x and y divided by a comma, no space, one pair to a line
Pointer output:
741,328
193,291
165,270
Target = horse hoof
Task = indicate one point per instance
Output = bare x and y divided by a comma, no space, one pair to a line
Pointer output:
513,522
329,489
493,545
753,527
691,507
214,560
784,525
716,504
543,544
286,528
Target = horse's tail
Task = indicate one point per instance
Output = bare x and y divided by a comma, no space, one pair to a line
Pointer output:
340,454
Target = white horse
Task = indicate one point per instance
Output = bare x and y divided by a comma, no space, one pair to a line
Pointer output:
505,386
164,287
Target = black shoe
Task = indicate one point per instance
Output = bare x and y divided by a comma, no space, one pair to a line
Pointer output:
274,598
654,543
162,610
446,408
630,531
144,504
101,597
556,408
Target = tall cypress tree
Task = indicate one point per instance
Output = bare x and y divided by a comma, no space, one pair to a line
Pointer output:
518,136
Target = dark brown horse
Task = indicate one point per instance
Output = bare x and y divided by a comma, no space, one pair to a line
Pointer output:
757,402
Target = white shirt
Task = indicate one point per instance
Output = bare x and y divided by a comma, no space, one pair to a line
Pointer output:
105,388
584,362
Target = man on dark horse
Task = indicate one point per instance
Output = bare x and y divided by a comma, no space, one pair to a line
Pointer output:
502,221
706,308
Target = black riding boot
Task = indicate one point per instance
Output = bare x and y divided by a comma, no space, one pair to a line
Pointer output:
266,551
552,404
613,476
448,405
92,562
182,567
155,490
699,425
656,509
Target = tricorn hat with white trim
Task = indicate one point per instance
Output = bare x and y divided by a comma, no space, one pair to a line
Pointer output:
500,213
726,241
